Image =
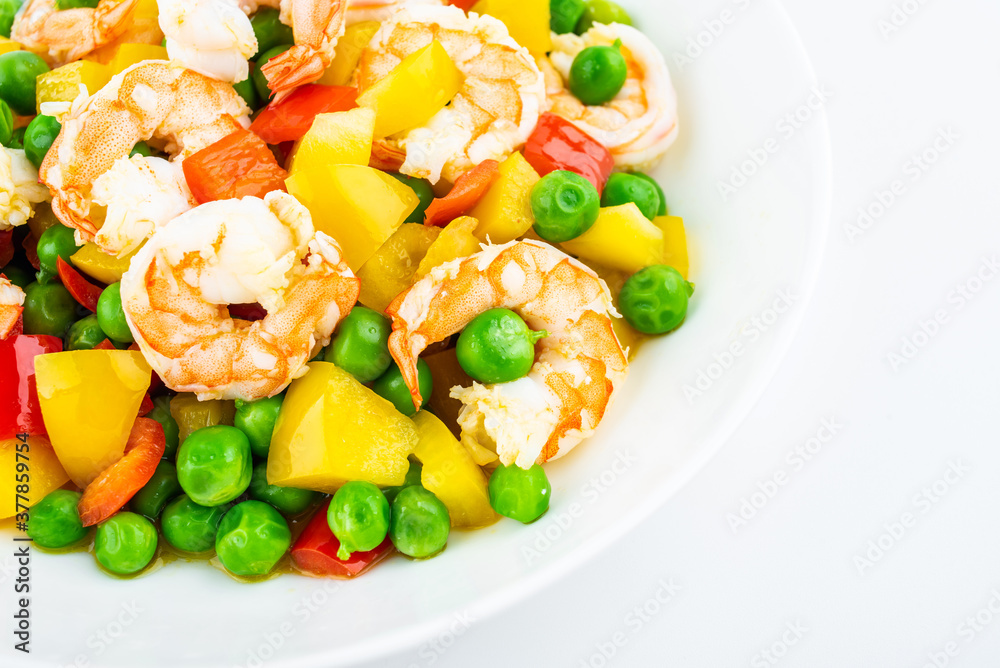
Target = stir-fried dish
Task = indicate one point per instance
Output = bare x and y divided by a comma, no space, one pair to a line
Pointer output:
302,285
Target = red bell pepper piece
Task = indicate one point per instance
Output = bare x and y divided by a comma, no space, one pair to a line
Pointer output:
247,311
146,405
30,246
105,345
558,144
6,246
292,117
82,290
463,4
238,165
19,409
316,551
465,194
118,483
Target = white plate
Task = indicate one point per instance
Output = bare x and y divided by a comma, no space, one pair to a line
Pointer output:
767,238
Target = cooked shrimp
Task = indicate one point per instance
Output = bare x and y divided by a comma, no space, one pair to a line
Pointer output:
380,10
67,35
20,190
496,108
640,124
154,100
213,37
11,299
179,284
317,25
562,400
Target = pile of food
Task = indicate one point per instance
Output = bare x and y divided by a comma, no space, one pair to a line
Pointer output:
298,288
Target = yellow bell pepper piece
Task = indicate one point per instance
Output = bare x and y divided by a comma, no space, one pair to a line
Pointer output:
89,401
348,53
63,83
143,27
447,373
42,219
192,415
526,20
622,238
8,45
675,249
357,205
411,94
97,264
455,241
332,429
128,55
628,337
504,213
39,461
338,138
451,474
391,269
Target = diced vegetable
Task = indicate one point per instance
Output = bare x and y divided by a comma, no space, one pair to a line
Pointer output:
675,249
315,551
191,414
239,165
20,412
84,292
414,91
450,472
622,238
526,20
504,213
358,206
143,27
455,241
7,45
39,461
558,144
348,54
292,117
338,138
128,55
392,268
333,429
97,264
467,191
627,336
447,374
63,83
89,399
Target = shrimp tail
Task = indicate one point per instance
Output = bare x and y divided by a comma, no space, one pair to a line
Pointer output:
401,351
296,67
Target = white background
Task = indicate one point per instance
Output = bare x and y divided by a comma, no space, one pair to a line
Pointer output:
803,559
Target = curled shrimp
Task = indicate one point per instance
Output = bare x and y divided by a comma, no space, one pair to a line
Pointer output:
213,37
496,108
19,188
177,288
158,101
380,10
11,300
640,124
563,398
316,25
63,36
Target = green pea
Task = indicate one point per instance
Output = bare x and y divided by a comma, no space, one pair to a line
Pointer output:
413,475
17,275
141,148
390,385
359,517
256,419
54,521
125,543
8,8
497,347
420,523
521,494
18,72
269,30
252,538
661,210
248,91
288,500
565,14
84,334
190,527
361,346
111,315
55,242
422,189
602,11
654,300
624,188
214,465
259,80
598,73
565,205
48,309
6,124
161,413
17,138
154,495
39,136
75,4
